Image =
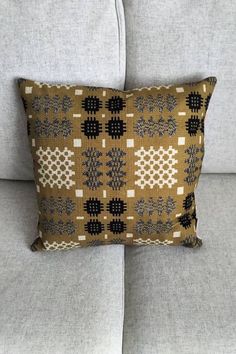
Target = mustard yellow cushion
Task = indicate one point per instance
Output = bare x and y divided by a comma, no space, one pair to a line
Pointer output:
116,166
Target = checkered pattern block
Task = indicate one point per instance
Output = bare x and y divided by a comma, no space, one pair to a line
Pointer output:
116,166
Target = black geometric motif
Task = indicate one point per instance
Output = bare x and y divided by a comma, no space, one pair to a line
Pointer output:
150,103
57,227
194,101
140,207
116,164
65,127
152,206
151,227
94,227
160,102
192,125
171,102
116,226
140,127
55,104
191,242
46,128
170,205
46,103
91,128
192,162
152,126
188,201
96,243
24,103
57,205
207,100
28,127
160,205
202,126
117,241
93,206
92,165
185,220
115,128
194,216
139,103
66,104
116,206
154,103
171,126
212,80
115,104
91,104
36,104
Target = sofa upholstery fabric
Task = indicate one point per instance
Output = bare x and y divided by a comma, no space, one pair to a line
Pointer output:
168,41
182,301
65,41
66,302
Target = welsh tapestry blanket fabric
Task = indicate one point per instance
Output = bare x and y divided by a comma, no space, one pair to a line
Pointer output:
116,167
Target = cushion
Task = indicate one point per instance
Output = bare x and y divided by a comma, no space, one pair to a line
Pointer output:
179,301
116,166
61,41
174,41
70,302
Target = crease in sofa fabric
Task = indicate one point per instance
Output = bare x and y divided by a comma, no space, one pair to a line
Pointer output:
122,38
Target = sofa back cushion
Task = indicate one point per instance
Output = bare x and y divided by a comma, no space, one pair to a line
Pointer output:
64,40
171,41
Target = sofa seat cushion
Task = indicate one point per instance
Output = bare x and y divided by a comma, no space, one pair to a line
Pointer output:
182,301
57,302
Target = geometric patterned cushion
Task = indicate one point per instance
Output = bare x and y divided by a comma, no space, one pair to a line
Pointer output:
116,166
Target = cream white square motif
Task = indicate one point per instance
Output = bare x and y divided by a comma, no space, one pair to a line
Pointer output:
78,92
129,235
79,193
176,234
77,143
130,143
28,89
180,190
179,89
130,193
82,238
181,140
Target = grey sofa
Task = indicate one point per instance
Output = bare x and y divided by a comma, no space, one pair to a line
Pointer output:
113,300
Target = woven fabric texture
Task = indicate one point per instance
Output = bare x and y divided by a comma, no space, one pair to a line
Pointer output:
116,166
